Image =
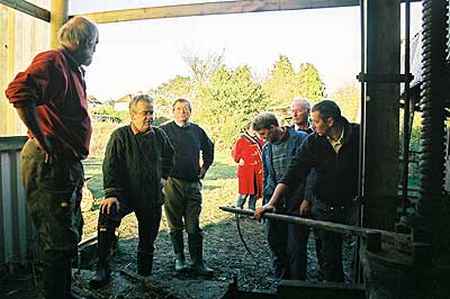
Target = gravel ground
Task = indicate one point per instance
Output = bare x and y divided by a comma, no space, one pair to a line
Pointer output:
223,250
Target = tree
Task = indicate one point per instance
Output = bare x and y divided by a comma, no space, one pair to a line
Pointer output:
348,99
229,101
280,86
202,68
310,84
169,91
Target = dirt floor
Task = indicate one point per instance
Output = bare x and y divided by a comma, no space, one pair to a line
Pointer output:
223,251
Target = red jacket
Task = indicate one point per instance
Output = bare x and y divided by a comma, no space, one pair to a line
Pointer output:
247,152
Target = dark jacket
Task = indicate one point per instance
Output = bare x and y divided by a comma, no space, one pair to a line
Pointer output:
294,140
134,165
336,181
189,141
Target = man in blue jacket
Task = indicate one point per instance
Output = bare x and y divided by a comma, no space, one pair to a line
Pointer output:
286,241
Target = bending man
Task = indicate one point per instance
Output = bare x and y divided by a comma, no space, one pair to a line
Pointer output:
138,160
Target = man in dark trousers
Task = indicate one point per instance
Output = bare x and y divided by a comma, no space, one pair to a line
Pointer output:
286,241
138,160
300,110
333,151
183,188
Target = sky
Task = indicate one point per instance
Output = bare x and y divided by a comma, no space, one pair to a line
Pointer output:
139,55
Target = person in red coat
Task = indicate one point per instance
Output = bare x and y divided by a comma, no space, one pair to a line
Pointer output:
247,153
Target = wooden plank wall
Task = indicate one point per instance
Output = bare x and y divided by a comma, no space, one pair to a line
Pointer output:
21,38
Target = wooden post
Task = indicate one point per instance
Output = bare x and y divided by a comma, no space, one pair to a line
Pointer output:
382,163
58,16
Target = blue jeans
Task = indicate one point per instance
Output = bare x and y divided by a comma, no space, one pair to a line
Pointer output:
251,201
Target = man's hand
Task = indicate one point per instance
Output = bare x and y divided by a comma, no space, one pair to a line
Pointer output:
107,203
261,210
305,208
47,147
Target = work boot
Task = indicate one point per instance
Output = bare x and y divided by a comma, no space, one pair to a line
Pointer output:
199,266
178,248
54,279
144,264
103,272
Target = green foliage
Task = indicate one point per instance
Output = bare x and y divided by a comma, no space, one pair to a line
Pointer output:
348,99
281,85
308,83
226,99
168,92
229,101
108,110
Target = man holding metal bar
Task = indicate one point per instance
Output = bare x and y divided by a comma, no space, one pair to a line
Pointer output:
333,151
286,241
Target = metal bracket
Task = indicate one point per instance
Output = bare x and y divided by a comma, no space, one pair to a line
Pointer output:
384,78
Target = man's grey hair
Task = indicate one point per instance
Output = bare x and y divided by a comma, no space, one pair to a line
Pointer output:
77,33
301,101
140,98
265,120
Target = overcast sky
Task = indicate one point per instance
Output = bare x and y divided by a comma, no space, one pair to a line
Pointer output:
136,56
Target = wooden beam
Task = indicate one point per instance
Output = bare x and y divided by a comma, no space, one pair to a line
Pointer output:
28,8
214,8
382,114
59,12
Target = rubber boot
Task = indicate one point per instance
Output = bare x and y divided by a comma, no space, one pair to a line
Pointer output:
54,279
103,272
144,263
178,248
199,266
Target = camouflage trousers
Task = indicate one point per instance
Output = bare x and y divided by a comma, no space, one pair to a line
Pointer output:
53,194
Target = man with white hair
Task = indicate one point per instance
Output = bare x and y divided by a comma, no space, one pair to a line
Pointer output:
300,109
50,98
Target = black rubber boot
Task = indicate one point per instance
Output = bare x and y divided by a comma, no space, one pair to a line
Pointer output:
103,272
178,248
54,279
144,264
199,266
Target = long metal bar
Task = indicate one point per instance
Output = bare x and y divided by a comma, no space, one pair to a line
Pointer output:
28,8
373,236
362,142
327,225
406,111
214,8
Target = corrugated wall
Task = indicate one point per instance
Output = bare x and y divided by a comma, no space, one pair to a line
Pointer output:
15,226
